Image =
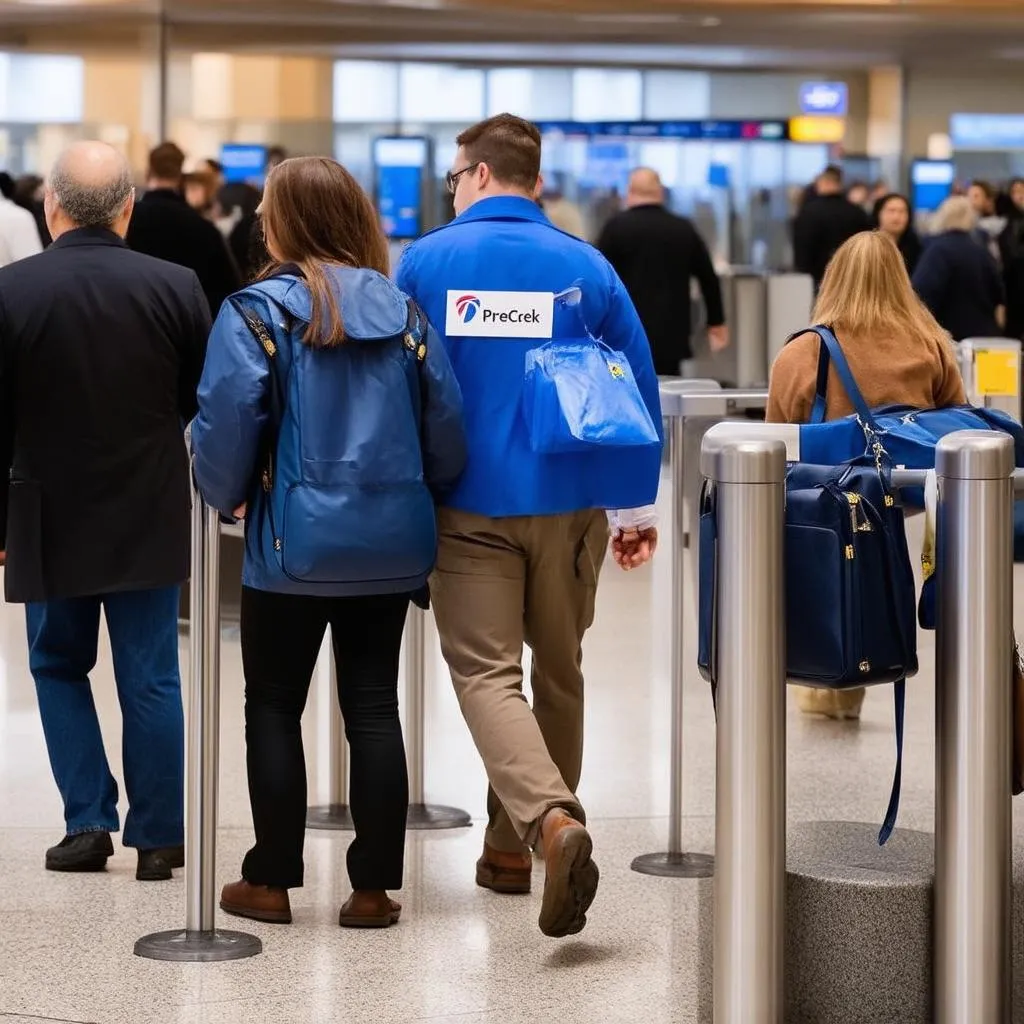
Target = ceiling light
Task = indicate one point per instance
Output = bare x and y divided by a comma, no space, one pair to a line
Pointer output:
710,22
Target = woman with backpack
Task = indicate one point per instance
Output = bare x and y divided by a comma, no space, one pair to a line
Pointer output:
329,417
898,355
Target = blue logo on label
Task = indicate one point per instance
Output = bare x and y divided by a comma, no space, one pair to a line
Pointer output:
467,307
824,98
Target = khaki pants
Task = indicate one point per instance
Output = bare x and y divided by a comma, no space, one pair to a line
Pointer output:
500,583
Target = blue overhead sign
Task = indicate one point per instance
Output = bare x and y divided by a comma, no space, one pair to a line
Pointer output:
705,130
987,131
824,98
243,162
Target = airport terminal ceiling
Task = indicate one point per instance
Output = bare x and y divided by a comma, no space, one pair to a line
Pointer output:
672,32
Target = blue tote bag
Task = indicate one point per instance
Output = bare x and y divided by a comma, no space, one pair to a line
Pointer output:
907,436
580,394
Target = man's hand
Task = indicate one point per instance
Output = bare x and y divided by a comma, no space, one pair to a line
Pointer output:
633,548
718,337
239,512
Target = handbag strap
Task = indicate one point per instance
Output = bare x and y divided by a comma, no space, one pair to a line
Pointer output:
831,352
900,706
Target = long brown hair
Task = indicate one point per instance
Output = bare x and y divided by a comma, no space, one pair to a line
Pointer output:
866,293
316,214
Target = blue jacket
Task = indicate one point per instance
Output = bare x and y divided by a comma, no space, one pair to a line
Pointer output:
368,433
507,245
958,280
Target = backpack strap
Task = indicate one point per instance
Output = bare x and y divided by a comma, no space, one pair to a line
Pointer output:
276,392
415,337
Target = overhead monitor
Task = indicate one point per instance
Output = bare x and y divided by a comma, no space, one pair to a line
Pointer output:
244,163
400,165
931,182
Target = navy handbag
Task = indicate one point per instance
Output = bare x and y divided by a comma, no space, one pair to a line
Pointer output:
850,596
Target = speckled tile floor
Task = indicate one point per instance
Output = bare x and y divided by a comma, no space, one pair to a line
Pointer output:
460,954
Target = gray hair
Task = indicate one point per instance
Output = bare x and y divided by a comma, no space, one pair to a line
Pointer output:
91,204
955,214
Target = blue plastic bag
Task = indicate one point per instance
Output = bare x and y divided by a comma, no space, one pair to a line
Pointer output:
579,394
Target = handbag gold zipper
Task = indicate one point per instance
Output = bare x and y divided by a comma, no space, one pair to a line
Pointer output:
861,523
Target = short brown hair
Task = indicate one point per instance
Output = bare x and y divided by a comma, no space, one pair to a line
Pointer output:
316,214
166,162
509,146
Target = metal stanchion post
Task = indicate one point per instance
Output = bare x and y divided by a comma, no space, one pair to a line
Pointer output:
201,941
676,863
421,814
750,813
973,897
335,814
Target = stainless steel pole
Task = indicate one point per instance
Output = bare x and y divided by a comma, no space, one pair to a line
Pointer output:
676,863
421,814
973,897
335,814
750,816
201,941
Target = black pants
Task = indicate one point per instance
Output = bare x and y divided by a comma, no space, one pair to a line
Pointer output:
281,638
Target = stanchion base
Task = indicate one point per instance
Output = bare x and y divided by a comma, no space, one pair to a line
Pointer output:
675,865
432,816
330,816
198,947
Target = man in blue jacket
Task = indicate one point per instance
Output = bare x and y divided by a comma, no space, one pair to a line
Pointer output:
523,535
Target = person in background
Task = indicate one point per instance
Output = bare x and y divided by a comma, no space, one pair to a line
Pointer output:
101,350
1011,251
1015,190
858,194
957,279
563,213
165,226
239,222
201,192
276,155
382,432
19,236
824,223
989,224
29,191
656,254
897,352
215,168
879,189
892,217
524,535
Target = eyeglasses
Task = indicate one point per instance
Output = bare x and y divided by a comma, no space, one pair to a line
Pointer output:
452,180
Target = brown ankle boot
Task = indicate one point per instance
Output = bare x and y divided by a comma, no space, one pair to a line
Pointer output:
258,902
369,908
570,884
504,872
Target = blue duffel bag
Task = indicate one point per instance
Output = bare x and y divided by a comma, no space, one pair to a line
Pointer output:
908,436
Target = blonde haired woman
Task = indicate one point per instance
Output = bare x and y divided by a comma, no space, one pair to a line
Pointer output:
957,277
897,352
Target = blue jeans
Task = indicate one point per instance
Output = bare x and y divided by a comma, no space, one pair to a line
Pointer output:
62,639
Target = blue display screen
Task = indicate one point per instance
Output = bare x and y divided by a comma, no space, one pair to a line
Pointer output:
724,131
931,182
399,165
244,163
824,98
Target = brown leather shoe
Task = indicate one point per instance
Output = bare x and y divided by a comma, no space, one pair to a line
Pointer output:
504,872
571,881
369,908
259,902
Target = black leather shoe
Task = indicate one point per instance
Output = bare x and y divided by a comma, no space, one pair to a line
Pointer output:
87,851
156,865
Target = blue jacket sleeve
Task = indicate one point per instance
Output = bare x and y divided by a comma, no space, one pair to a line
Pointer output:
232,413
444,436
622,330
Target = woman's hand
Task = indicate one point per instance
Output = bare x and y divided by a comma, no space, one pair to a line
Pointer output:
632,548
239,512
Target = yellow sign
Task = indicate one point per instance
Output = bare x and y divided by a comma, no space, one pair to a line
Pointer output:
817,129
997,373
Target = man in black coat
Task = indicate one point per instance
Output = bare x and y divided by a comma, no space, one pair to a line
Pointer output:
824,222
165,226
101,350
656,253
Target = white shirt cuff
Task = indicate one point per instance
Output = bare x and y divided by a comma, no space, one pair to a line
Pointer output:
644,518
